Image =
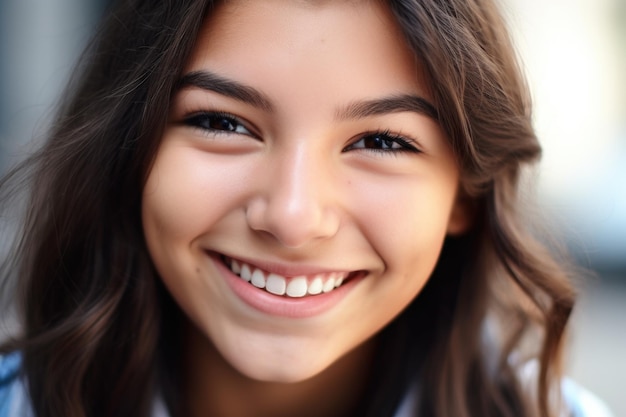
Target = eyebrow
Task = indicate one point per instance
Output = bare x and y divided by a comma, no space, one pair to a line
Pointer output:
210,81
207,80
385,105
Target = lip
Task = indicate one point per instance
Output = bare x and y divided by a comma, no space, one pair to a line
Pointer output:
280,306
286,270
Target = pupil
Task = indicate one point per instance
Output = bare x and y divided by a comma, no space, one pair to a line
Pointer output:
374,142
222,124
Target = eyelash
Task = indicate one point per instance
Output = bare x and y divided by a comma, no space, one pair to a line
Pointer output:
205,121
385,138
232,124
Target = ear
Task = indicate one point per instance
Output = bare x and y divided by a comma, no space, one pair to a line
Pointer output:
462,214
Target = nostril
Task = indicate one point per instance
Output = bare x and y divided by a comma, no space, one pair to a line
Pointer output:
290,223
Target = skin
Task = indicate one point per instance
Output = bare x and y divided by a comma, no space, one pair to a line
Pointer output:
295,185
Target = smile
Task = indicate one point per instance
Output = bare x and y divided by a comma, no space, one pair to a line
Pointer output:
294,287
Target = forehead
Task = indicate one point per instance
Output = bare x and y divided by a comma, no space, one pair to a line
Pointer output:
345,37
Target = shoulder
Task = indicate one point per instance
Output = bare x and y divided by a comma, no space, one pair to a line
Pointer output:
9,367
14,400
581,402
578,402
12,389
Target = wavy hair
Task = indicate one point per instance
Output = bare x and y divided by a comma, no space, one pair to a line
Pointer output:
94,313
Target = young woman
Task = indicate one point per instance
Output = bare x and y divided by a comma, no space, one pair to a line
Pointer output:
287,208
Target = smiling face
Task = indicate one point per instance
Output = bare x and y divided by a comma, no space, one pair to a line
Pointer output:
302,189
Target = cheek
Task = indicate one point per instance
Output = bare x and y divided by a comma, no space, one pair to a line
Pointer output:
187,192
406,219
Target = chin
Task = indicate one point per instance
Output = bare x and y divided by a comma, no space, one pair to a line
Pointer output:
283,371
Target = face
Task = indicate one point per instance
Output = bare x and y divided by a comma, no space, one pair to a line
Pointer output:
302,189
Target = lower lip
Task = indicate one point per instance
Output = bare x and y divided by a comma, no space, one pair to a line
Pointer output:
275,305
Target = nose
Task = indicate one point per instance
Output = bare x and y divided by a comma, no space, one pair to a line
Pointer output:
295,202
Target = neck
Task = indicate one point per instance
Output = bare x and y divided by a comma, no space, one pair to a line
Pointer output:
214,388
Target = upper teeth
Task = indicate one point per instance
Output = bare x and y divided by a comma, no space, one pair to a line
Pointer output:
292,287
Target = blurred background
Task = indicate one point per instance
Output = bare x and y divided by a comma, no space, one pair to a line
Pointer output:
574,54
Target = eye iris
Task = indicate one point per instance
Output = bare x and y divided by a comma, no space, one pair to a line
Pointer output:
222,123
378,142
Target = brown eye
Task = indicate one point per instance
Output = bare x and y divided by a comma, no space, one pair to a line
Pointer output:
217,122
379,142
383,142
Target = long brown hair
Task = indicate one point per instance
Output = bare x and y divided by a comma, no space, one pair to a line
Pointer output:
94,311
